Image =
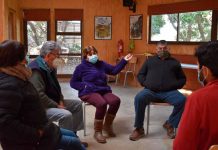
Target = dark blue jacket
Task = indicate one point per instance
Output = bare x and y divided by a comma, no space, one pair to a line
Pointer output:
21,115
91,78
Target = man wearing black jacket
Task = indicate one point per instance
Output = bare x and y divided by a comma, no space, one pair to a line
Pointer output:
161,75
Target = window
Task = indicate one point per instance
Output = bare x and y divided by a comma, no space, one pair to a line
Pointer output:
36,29
182,27
69,36
161,25
68,32
68,26
195,26
36,35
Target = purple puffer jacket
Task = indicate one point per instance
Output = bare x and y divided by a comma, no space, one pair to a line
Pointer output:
92,78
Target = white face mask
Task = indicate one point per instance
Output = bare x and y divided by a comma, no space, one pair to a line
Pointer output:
201,77
58,62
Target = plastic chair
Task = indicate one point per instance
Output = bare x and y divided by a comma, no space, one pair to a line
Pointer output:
186,93
84,116
129,69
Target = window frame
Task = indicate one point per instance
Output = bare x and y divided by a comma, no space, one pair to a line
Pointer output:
69,34
12,30
213,29
35,15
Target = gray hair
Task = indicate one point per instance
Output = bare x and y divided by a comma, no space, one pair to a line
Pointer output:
48,47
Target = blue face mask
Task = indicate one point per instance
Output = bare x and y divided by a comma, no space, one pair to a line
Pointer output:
93,59
201,78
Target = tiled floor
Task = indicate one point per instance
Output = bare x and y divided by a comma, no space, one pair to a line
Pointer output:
123,125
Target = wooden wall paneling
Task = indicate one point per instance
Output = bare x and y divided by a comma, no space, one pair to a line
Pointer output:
120,25
2,10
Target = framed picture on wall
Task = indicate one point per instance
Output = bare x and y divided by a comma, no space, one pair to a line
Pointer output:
135,27
103,27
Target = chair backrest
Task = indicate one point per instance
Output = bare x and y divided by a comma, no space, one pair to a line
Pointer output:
214,147
131,66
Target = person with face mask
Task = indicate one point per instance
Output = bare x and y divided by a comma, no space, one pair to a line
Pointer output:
161,76
198,128
201,78
23,122
90,79
67,112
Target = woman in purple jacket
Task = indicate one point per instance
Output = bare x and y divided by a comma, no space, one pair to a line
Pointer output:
90,79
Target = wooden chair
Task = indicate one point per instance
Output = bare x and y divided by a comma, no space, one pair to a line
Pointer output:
129,69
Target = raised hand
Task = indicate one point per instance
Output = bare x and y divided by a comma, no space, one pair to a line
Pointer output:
128,57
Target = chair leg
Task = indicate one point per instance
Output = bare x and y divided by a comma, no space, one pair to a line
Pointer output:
84,117
148,118
117,77
134,79
124,84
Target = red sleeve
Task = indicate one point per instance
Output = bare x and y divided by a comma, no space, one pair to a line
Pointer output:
186,138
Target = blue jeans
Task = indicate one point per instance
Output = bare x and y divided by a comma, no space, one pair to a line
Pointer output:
144,97
70,141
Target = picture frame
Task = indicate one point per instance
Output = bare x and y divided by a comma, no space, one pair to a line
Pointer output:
103,28
135,27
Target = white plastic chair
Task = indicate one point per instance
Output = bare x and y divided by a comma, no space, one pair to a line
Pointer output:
129,69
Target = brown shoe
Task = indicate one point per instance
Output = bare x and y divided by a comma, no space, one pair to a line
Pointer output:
166,125
170,130
137,134
99,137
171,133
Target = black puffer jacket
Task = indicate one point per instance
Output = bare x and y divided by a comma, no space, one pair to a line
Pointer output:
21,115
161,75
